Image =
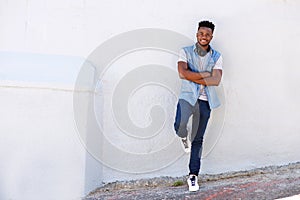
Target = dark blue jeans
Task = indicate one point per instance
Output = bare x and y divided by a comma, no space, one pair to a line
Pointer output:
201,113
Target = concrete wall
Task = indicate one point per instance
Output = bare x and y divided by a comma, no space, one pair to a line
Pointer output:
88,91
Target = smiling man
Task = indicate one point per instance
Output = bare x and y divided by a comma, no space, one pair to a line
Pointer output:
200,68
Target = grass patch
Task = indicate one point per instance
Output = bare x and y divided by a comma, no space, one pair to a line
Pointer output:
177,183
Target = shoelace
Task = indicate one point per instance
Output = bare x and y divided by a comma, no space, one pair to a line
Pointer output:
193,179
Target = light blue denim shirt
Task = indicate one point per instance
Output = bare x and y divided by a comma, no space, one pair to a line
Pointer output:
189,90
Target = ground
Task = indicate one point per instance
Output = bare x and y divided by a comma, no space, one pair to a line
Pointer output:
264,183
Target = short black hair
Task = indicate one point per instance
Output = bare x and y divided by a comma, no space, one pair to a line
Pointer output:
207,24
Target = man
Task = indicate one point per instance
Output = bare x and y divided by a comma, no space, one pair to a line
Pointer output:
200,68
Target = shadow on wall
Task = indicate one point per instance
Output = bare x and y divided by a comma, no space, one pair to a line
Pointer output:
41,146
111,97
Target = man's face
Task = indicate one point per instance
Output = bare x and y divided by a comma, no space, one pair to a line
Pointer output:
204,36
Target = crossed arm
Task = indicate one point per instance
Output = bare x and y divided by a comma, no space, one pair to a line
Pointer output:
203,78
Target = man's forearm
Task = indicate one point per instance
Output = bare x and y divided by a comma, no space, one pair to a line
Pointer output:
186,73
209,81
213,80
194,76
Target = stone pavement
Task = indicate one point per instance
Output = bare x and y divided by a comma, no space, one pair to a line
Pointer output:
264,183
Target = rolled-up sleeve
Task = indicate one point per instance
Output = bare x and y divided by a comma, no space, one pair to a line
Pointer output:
182,56
219,63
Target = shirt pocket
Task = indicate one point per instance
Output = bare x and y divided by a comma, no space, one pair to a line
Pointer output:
210,65
186,86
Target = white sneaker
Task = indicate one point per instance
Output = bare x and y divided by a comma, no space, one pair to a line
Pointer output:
186,144
193,183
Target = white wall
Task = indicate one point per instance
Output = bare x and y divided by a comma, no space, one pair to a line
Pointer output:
45,153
